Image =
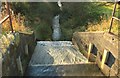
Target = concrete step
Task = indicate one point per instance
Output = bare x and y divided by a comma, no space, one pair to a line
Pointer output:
54,43
83,69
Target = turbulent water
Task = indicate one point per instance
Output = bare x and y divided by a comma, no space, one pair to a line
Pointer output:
56,28
60,4
56,52
56,25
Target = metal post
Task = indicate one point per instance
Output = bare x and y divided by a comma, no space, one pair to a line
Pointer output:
8,11
113,13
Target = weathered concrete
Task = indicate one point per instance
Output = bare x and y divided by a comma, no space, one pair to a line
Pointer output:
63,58
60,58
17,50
101,41
82,69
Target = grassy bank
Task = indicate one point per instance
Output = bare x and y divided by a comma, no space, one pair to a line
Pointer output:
84,17
38,16
73,17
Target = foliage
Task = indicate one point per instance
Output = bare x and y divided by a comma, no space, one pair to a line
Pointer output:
5,41
20,7
73,17
43,31
76,16
39,17
103,26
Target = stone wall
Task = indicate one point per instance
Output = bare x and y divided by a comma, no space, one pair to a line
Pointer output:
18,55
103,49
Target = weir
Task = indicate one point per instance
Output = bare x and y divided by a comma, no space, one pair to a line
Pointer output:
63,58
94,54
52,57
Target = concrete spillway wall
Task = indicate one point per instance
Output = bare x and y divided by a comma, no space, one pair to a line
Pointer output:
17,56
101,48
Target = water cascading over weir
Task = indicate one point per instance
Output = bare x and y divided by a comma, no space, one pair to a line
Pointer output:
89,54
86,55
55,58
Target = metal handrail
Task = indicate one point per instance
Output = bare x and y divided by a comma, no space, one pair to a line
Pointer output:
113,16
8,17
116,18
4,19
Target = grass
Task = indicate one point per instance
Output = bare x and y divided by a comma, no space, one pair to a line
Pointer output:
39,17
18,25
43,31
74,17
103,26
6,37
40,21
78,17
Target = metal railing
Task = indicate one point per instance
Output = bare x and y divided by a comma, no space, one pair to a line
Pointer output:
8,17
10,20
113,16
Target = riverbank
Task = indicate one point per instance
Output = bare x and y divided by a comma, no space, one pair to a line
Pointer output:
73,17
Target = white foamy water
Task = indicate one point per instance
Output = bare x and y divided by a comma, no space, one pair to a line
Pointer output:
56,28
50,52
60,4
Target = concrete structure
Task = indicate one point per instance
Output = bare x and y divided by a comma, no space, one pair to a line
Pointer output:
64,58
15,60
104,52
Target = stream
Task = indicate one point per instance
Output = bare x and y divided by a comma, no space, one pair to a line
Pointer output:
56,25
56,28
